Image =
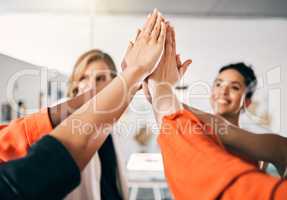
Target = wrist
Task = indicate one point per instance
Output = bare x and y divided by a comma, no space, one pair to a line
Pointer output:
159,88
164,100
136,72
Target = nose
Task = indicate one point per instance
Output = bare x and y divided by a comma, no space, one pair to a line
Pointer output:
90,84
224,90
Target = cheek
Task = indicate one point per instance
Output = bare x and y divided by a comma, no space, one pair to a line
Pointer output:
102,83
214,94
84,87
212,98
237,100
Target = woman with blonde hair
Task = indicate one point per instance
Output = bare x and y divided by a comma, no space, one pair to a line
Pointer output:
103,178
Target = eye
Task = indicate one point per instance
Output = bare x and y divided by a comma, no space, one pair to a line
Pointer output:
236,88
83,78
100,78
217,84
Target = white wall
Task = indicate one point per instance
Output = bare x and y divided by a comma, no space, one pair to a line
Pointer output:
57,41
23,81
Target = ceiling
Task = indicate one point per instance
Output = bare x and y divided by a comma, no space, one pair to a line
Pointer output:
205,8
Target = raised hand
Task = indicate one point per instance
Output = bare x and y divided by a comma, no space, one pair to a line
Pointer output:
145,53
170,68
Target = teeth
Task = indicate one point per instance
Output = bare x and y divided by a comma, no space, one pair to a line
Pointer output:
222,101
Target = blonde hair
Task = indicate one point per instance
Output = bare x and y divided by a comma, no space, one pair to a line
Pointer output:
81,65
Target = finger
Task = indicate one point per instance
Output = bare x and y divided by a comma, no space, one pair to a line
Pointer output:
146,91
131,42
130,46
123,65
178,61
162,36
168,41
147,20
136,37
184,67
138,33
150,23
156,30
173,40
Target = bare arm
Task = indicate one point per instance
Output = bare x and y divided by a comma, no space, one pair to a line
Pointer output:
98,114
159,88
267,147
61,111
105,108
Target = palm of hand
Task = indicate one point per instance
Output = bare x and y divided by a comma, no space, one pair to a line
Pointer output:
135,57
167,70
145,53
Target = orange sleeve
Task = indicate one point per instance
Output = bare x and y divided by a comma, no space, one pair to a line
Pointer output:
256,186
280,192
17,137
197,166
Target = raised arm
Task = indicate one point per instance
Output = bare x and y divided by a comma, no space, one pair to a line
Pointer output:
267,147
250,146
99,113
159,88
196,166
61,111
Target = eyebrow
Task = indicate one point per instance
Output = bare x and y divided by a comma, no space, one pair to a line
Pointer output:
233,82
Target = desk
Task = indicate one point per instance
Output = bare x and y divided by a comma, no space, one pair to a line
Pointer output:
156,186
145,170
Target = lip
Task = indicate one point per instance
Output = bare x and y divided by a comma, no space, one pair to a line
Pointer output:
223,101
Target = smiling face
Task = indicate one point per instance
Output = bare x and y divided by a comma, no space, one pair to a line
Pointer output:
96,75
228,93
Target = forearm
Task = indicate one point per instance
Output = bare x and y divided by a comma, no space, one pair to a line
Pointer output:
256,147
91,121
266,147
61,111
93,144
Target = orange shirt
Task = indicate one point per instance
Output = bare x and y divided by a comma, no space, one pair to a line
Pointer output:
198,167
17,137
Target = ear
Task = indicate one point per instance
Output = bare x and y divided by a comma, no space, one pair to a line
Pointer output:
247,102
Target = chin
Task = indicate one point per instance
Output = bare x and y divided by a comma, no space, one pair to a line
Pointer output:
220,110
223,112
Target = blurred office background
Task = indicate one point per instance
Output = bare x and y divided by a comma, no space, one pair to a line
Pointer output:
41,40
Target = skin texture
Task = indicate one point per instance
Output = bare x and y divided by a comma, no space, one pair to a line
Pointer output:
228,95
227,100
102,110
96,76
168,72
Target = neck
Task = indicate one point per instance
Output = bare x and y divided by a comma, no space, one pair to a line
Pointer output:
232,118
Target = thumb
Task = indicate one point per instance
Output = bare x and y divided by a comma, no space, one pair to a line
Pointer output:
184,67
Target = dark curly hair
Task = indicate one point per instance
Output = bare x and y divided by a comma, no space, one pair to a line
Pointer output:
248,74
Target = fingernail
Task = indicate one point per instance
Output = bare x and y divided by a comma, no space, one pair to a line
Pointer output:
154,11
148,16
